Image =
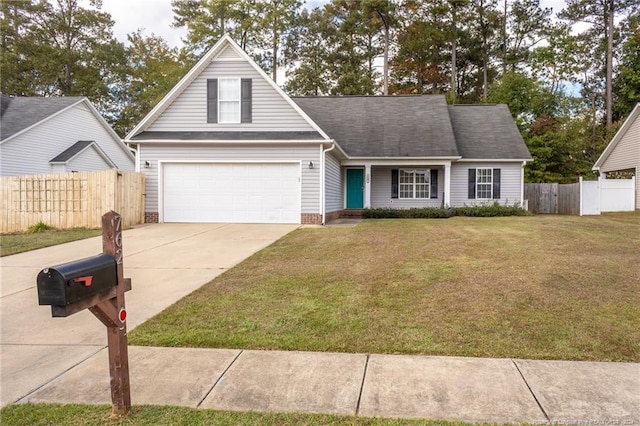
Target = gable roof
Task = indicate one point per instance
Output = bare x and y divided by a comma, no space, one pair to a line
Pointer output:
486,131
22,113
385,126
76,149
617,137
197,70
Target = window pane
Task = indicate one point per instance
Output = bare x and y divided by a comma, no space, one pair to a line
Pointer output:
229,89
422,183
406,184
484,180
229,112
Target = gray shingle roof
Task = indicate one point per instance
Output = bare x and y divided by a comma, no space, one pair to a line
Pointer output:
20,113
385,126
231,136
70,152
487,131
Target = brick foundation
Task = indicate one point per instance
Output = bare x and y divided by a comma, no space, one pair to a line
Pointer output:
311,219
151,217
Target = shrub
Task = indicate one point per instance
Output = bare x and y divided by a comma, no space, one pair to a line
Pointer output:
413,213
491,210
38,227
483,210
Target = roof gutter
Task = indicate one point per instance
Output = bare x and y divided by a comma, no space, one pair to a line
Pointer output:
322,183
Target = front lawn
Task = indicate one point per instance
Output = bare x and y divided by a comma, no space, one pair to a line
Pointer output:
541,287
21,242
75,414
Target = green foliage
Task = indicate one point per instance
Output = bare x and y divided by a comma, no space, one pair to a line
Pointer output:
481,210
39,227
626,82
412,213
491,210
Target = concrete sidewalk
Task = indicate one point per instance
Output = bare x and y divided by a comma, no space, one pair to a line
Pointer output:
165,262
469,389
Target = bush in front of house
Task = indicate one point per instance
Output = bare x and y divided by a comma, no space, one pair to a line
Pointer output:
491,210
412,213
483,210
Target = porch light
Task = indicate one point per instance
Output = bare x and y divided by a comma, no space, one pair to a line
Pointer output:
311,164
147,164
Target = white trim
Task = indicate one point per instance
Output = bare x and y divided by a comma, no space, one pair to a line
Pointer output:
388,159
414,172
240,142
617,138
447,185
161,163
236,81
404,162
484,183
497,160
197,70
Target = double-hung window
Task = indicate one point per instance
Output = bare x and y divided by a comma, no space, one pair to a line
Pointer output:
484,184
229,100
414,183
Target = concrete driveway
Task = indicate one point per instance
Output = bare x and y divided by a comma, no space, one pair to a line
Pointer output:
164,261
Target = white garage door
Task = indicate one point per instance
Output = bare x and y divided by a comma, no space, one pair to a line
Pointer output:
231,193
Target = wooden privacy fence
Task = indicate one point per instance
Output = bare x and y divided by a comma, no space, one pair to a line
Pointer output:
70,200
553,198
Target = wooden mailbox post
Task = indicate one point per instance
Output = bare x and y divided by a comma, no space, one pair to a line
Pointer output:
97,284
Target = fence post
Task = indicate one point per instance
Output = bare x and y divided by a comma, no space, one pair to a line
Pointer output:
580,194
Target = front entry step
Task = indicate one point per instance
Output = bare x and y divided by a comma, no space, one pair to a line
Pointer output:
351,214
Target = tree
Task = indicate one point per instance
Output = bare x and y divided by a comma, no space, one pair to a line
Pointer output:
153,69
309,47
626,83
65,49
600,14
525,25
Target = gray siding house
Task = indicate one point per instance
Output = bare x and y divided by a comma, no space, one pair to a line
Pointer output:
226,144
41,135
623,152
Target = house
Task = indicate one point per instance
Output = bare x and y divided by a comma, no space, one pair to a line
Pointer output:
623,152
41,135
226,144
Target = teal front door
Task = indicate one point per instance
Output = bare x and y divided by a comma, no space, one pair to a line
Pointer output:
355,186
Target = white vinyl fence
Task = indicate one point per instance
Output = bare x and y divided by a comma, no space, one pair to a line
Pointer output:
607,195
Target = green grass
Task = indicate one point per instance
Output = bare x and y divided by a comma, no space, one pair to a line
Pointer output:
55,414
541,287
40,237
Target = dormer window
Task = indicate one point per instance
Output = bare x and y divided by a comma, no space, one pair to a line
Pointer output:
229,100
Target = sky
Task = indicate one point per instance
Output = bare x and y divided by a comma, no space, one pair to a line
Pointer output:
155,16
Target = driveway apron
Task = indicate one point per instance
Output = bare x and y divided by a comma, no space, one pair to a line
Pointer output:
165,262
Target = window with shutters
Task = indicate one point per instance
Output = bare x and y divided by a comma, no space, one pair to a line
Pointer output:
414,183
484,184
229,100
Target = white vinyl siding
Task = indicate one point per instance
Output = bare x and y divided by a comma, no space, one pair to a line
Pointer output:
381,191
510,183
86,161
270,111
333,184
30,152
626,154
204,153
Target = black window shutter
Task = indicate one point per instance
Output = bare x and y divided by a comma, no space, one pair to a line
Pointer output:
394,183
496,183
212,100
472,184
434,183
245,100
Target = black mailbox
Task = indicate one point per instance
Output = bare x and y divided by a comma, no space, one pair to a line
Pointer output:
74,281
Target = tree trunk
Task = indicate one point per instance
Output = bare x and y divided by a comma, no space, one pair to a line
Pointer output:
504,39
454,48
385,65
609,77
275,55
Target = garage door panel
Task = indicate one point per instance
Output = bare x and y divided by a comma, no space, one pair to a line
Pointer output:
231,192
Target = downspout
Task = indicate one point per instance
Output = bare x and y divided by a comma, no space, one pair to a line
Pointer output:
524,163
322,184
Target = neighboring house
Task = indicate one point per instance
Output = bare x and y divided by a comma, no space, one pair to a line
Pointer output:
226,144
41,135
623,152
